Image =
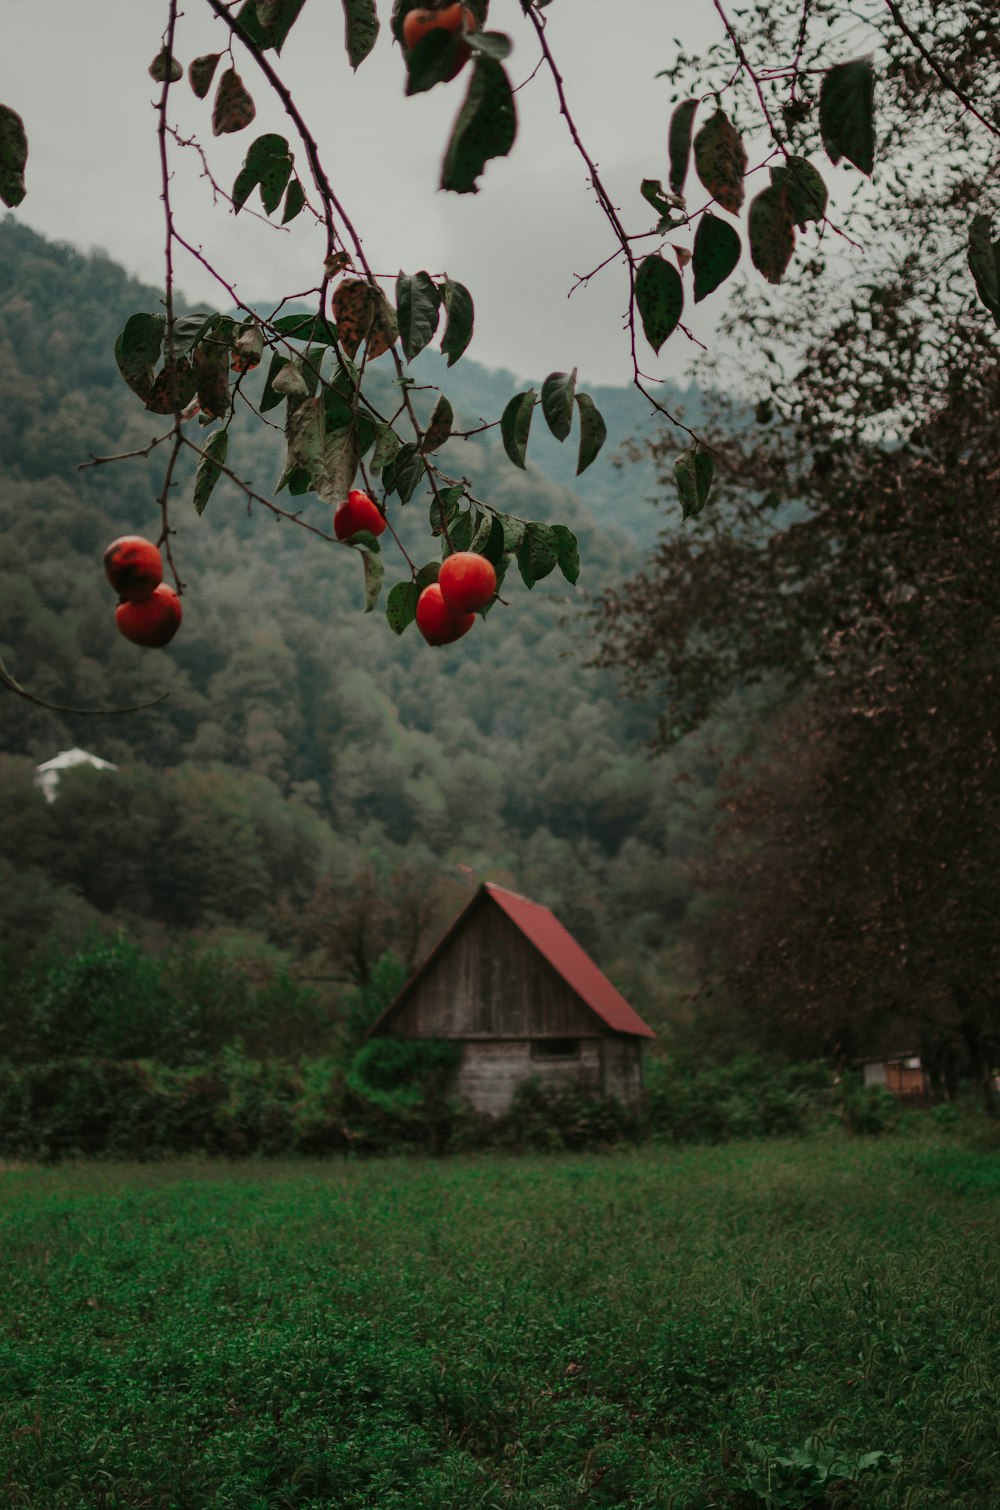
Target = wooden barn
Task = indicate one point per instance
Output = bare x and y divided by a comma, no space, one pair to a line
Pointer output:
524,999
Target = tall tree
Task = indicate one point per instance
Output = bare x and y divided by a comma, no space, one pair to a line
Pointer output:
848,561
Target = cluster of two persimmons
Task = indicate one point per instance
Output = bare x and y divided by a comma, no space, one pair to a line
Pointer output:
149,611
446,609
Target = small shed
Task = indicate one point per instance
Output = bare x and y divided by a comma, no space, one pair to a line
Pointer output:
515,989
901,1074
48,774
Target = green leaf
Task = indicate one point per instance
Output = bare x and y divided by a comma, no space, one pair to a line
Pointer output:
271,397
211,369
435,59
807,193
717,248
427,574
438,426
652,192
444,508
537,554
482,532
557,402
720,161
164,67
485,128
489,44
137,351
493,547
363,314
460,314
374,575
847,113
268,163
13,156
513,531
401,606
304,433
276,19
339,464
201,72
402,475
311,328
984,264
568,553
189,329
233,109
247,19
360,29
173,388
679,143
295,201
398,15
659,294
216,449
771,232
693,472
418,308
387,445
593,431
515,424
459,532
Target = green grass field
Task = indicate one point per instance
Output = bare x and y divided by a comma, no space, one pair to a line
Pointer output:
770,1324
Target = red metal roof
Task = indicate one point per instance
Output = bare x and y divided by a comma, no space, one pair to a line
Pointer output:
544,930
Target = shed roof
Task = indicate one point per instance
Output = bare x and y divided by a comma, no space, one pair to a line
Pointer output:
554,943
66,759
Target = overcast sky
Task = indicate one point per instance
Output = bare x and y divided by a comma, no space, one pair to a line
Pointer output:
77,74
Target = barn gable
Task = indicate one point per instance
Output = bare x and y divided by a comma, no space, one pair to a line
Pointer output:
507,968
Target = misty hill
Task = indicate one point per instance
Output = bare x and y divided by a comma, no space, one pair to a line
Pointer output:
290,712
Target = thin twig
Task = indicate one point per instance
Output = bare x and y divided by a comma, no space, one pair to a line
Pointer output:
776,136
610,212
13,685
932,62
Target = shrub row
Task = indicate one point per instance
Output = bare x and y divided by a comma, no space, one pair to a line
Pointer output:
393,1095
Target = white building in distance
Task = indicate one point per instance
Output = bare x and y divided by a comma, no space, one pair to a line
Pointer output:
49,773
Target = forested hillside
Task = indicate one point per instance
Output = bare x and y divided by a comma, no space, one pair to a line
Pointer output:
312,781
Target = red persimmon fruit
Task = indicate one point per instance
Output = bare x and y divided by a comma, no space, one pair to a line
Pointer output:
467,581
152,621
357,512
437,621
133,566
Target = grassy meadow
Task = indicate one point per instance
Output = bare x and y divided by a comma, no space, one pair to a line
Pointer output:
775,1324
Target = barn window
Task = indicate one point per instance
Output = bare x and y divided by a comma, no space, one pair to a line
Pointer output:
555,1048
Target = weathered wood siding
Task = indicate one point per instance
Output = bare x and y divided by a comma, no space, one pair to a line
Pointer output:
491,983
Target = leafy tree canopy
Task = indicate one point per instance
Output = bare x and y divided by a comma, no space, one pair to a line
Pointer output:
794,105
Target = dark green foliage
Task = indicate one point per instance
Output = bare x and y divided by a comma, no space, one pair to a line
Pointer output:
551,1120
679,142
692,1100
110,1000
846,113
398,1094
659,296
485,128
869,1110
